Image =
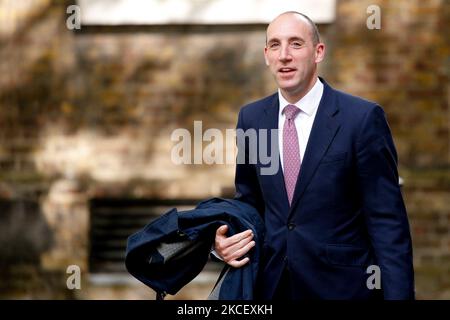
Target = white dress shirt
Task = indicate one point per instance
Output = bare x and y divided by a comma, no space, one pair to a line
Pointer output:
303,122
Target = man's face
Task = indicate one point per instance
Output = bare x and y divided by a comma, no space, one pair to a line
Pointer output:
291,54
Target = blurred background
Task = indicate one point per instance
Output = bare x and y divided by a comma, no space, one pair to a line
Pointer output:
86,115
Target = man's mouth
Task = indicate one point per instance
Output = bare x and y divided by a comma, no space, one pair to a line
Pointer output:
286,70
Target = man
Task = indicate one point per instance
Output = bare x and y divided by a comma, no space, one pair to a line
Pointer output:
334,208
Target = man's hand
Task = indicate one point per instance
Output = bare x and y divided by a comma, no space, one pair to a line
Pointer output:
232,248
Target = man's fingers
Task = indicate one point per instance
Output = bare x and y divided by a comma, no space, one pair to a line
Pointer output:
231,250
239,263
238,237
242,251
222,230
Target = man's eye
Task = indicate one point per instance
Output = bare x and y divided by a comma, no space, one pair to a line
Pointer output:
273,45
296,44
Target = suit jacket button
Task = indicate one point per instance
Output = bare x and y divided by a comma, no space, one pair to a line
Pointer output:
291,226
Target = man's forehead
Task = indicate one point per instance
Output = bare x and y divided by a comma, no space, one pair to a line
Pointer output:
288,23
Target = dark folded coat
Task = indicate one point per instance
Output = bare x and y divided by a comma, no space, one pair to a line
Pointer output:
172,250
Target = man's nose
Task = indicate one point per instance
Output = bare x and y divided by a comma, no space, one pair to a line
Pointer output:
285,53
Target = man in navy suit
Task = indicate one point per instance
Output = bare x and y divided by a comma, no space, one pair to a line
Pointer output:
333,212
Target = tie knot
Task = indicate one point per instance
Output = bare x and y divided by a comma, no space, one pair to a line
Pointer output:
291,111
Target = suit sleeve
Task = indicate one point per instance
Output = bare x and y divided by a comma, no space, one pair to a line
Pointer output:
384,209
246,180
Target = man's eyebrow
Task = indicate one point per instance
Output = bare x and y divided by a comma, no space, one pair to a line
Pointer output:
290,39
273,40
296,38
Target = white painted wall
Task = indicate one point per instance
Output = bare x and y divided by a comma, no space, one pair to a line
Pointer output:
148,12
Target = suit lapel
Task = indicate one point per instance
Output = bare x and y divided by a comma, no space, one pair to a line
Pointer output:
322,133
270,121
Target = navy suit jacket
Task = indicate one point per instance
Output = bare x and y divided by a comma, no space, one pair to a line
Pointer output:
172,250
347,211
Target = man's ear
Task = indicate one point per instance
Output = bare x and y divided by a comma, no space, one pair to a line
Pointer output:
265,56
320,52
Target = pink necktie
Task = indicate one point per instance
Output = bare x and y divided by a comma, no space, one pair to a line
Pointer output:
291,152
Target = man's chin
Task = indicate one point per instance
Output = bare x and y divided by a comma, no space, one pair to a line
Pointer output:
291,89
288,85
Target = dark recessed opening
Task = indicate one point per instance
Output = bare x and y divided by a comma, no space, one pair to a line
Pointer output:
113,220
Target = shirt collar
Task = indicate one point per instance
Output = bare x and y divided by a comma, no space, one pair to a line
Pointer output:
309,103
